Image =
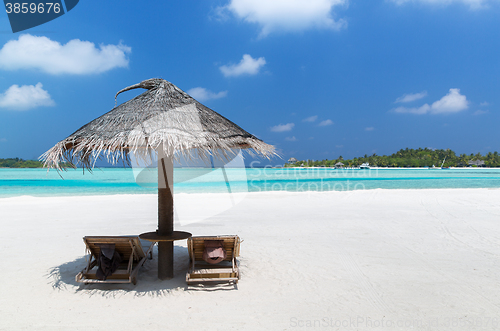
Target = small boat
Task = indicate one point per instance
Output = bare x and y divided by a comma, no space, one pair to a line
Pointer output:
364,166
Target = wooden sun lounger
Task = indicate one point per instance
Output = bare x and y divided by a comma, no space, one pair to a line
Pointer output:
134,252
201,271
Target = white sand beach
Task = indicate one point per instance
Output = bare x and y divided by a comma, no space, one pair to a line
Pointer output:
358,260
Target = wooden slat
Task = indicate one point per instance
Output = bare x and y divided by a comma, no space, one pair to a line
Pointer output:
107,281
212,271
118,274
200,280
209,275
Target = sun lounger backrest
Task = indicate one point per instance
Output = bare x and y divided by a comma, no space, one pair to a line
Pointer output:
123,245
231,245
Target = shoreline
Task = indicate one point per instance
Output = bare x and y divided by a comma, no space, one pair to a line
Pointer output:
245,193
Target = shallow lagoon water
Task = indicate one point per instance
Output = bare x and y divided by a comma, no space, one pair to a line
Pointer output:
40,182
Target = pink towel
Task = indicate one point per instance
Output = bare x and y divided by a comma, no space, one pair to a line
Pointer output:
214,251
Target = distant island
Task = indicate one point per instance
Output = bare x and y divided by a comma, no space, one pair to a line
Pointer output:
20,163
409,157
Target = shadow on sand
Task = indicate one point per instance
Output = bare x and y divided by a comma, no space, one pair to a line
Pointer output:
62,278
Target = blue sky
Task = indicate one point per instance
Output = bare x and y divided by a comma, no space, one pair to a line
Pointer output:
315,78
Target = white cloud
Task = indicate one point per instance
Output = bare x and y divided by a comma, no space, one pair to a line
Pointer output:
453,102
248,65
75,57
287,15
411,97
419,111
480,112
25,97
3,140
202,94
473,4
325,123
282,127
484,104
310,119
370,128
291,138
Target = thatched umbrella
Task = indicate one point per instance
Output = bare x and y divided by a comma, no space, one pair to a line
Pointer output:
165,120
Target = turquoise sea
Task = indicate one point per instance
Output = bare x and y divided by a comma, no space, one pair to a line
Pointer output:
39,182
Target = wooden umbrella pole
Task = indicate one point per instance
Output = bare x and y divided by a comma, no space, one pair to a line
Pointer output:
165,215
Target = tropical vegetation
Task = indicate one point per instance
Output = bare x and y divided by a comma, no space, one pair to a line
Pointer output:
408,157
20,163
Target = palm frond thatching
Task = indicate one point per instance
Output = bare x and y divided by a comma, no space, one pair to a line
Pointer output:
162,117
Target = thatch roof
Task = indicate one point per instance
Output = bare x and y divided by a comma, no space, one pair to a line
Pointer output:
163,116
